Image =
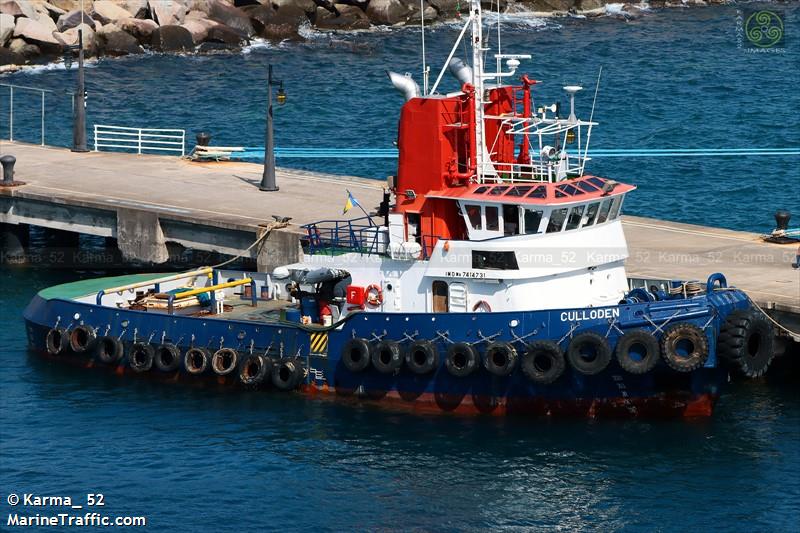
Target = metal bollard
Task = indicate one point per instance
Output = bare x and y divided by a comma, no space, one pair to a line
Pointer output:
782,218
8,162
203,138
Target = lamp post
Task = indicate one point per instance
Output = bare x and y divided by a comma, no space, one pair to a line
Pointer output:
78,99
268,178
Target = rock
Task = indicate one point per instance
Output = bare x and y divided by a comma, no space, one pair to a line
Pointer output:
138,8
550,5
71,37
387,11
349,18
109,11
168,12
198,28
31,30
10,7
53,11
24,49
224,13
281,23
225,35
6,28
214,48
590,5
72,5
36,12
140,29
308,6
112,41
430,12
72,19
447,8
172,38
8,57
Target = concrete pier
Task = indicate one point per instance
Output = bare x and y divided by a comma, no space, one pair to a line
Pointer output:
148,202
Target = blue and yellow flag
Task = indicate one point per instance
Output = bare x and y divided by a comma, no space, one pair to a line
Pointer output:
350,203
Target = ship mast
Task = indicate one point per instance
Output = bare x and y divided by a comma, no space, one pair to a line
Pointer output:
477,82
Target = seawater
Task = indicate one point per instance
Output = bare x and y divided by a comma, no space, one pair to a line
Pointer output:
201,460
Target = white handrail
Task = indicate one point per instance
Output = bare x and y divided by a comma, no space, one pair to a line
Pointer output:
139,139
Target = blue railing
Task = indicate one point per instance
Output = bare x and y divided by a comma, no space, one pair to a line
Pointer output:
340,236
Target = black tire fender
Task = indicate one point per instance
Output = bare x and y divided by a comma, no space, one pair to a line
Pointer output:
422,357
224,361
195,360
387,356
462,359
287,374
589,353
167,357
543,362
684,347
747,342
82,338
356,354
254,369
140,357
500,358
108,350
56,341
637,351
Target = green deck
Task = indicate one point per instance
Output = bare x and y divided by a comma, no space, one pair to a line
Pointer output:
83,287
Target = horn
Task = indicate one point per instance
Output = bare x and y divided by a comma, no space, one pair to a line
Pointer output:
460,70
405,84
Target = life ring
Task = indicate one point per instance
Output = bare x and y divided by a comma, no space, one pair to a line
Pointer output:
684,347
195,360
637,351
356,355
287,374
543,362
140,358
108,350
589,353
167,357
373,295
224,361
81,338
422,357
746,341
462,359
56,341
481,306
253,369
500,358
387,357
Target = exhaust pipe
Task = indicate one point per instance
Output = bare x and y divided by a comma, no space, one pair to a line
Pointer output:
461,71
405,84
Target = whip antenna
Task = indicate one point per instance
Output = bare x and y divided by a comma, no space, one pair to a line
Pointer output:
596,89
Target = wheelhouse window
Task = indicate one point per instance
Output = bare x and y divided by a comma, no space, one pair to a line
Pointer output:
494,260
604,209
591,214
474,216
492,218
615,207
510,219
533,219
575,216
557,217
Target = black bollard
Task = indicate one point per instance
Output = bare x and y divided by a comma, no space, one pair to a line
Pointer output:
8,162
782,217
203,138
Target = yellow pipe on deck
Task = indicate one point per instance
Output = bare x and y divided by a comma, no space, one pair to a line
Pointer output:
201,290
182,275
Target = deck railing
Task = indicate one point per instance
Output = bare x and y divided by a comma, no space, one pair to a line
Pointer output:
42,92
335,236
139,140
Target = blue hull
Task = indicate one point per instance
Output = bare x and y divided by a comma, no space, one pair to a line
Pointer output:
662,392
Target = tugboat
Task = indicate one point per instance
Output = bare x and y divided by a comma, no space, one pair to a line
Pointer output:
491,280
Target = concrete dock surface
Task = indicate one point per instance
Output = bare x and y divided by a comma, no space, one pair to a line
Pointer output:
218,207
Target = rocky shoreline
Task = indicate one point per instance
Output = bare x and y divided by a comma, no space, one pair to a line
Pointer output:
38,31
